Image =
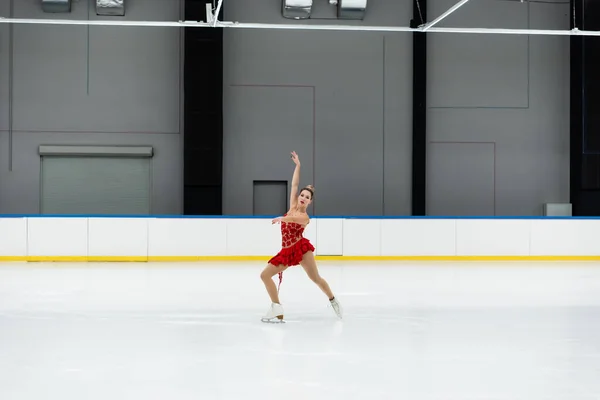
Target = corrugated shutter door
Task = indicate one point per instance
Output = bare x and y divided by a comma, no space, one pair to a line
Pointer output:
95,185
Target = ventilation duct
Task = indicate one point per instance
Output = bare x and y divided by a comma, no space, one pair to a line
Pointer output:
297,9
56,6
110,7
352,9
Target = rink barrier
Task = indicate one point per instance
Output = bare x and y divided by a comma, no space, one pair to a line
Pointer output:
59,238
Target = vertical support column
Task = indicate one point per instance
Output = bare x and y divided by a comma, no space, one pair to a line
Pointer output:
585,110
203,115
419,137
576,117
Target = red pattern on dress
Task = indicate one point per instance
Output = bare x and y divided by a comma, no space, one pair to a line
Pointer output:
293,246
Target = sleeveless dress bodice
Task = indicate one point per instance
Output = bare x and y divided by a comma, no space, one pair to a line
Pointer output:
291,233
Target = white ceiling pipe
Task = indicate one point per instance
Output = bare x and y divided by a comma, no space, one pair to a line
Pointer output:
356,28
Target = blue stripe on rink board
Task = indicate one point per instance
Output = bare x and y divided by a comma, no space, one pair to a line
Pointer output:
274,216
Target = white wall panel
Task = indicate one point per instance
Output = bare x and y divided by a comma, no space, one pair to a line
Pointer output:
187,237
57,237
118,237
565,237
418,237
252,237
13,237
362,237
330,237
490,237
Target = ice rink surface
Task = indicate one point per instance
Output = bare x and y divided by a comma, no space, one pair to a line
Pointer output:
413,331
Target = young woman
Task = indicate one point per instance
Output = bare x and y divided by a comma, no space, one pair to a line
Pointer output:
295,250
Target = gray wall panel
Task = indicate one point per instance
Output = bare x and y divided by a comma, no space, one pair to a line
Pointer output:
467,70
266,133
97,85
451,194
363,106
532,142
512,91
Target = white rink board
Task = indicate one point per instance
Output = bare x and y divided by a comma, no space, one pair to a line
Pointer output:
361,237
173,237
413,237
118,237
58,237
329,241
168,237
506,237
13,237
565,237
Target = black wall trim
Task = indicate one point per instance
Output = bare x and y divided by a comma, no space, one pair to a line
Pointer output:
419,136
203,115
576,134
585,110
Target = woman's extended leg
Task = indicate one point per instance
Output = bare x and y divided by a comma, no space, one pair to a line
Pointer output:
310,266
267,277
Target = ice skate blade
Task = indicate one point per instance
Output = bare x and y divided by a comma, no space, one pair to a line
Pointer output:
275,320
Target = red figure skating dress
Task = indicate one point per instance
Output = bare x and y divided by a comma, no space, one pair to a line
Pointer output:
293,246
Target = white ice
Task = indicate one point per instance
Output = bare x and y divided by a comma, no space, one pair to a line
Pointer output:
413,331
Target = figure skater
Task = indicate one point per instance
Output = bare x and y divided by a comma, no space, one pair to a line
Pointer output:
295,250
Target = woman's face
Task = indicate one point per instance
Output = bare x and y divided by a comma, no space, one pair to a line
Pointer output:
305,198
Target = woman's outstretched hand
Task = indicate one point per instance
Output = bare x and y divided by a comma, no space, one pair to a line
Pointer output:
276,221
295,158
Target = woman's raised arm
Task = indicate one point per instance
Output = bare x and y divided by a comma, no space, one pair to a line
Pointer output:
295,181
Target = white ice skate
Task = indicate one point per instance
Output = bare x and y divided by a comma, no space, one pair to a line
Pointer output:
274,314
337,307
